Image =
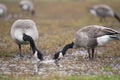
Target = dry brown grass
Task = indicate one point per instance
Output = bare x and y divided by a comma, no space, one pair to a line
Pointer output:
57,23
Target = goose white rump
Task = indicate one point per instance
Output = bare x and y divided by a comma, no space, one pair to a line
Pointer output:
103,40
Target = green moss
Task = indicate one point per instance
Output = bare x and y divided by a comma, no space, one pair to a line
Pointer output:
57,77
5,54
98,77
107,69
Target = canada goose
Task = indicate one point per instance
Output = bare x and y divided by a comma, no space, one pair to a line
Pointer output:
24,31
27,5
89,37
3,10
103,11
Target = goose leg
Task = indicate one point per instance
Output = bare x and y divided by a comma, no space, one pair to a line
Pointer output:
30,49
101,19
30,55
93,53
20,50
104,19
88,50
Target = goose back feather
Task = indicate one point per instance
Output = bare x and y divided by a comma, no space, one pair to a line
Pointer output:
103,10
23,26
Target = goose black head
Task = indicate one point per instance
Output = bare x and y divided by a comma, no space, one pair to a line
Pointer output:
21,6
58,55
39,55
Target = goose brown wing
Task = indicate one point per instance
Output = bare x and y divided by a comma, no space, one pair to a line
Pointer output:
101,10
95,32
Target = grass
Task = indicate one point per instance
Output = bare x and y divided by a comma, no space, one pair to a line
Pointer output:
60,0
57,22
107,69
97,77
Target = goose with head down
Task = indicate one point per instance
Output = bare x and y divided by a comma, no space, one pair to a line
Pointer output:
24,31
89,37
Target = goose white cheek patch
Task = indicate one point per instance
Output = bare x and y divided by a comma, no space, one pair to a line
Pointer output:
60,55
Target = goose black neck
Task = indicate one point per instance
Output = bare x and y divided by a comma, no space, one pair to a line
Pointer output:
33,12
66,47
32,44
117,17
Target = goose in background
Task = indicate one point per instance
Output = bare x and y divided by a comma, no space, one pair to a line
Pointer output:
3,10
89,37
103,11
27,5
24,31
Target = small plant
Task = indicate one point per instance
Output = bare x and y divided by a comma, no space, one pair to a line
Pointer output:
107,69
5,54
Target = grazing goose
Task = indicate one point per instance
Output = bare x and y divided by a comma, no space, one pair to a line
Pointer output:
25,32
103,11
27,6
3,10
89,37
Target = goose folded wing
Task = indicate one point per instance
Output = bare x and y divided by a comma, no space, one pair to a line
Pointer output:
102,10
106,31
97,32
